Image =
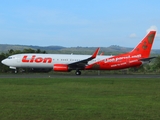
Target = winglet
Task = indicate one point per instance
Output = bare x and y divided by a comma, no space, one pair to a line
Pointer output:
94,55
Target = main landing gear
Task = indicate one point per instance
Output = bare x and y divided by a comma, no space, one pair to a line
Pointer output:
15,71
78,72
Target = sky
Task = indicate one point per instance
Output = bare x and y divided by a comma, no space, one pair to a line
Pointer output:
72,23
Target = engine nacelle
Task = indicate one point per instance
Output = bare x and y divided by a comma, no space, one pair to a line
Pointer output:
61,68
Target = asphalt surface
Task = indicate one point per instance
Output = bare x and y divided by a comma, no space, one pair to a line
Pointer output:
75,76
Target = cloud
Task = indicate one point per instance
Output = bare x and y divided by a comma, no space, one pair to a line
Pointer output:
53,17
158,36
133,35
153,27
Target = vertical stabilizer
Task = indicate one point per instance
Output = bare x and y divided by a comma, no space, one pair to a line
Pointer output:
145,46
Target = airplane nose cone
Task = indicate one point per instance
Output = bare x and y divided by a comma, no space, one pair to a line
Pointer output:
3,62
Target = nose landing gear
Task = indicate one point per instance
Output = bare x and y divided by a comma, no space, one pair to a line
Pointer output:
15,70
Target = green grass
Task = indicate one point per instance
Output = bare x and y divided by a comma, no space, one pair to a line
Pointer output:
79,99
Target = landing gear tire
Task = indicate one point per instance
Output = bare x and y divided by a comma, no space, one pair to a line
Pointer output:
78,72
16,71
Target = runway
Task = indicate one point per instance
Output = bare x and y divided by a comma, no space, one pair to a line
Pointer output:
75,76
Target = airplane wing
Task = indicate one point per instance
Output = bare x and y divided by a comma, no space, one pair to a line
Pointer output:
147,59
81,64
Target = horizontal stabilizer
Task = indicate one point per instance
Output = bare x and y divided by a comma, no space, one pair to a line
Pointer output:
147,59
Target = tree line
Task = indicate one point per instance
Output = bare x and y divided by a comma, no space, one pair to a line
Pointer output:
153,66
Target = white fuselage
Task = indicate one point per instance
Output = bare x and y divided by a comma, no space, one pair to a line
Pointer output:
45,60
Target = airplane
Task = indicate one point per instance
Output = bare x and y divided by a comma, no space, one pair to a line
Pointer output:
68,62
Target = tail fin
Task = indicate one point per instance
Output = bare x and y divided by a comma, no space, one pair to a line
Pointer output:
144,47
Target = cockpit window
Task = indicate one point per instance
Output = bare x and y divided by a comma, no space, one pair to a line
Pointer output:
11,57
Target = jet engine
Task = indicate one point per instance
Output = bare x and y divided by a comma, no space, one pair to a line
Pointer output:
61,68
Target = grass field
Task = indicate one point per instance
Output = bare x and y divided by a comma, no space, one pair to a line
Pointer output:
79,99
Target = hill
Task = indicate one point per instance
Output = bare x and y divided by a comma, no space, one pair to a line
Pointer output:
111,50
